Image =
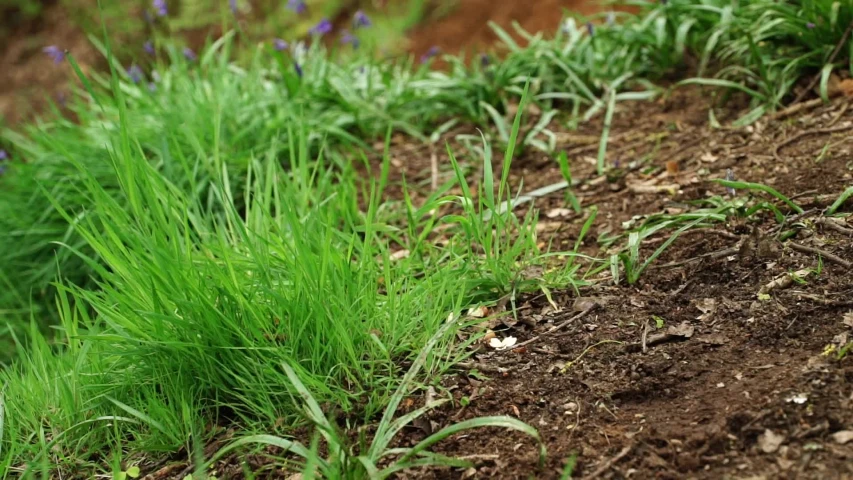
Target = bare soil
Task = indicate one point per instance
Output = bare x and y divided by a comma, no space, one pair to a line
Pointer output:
741,387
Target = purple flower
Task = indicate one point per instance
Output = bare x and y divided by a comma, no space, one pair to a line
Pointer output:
232,4
322,28
189,54
348,38
298,69
810,25
135,73
485,60
360,19
160,7
152,87
3,155
55,53
279,44
433,51
148,46
590,28
297,6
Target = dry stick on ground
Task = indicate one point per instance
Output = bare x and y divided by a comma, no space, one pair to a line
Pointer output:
608,464
796,108
816,78
719,253
823,253
834,226
820,131
554,328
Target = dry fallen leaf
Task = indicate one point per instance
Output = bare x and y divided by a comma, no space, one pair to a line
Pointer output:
479,312
769,441
684,329
847,319
842,436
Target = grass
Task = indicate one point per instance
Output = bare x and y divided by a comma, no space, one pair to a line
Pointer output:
210,252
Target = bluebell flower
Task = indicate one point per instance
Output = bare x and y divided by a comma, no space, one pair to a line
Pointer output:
3,155
160,7
279,44
189,54
297,6
135,73
347,38
232,5
148,46
55,53
322,28
485,60
298,69
590,28
433,51
360,19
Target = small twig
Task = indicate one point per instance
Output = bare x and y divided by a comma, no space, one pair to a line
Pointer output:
608,464
834,226
645,334
796,108
838,47
719,253
790,220
820,131
553,329
823,253
838,115
433,164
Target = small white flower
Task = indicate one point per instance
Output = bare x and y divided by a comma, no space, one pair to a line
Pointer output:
498,344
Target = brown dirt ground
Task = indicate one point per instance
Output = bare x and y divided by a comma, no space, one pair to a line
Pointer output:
707,406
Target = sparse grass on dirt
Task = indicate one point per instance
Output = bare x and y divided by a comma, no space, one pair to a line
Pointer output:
221,244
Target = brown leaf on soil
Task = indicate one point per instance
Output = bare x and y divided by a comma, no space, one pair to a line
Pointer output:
842,436
847,319
769,441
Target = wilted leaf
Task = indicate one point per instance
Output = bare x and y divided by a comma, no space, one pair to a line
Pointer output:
842,436
769,441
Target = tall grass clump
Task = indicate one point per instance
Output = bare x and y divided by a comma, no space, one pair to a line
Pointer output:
209,113
200,299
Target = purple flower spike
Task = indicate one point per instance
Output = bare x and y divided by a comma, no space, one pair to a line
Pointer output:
347,38
135,73
322,28
433,51
810,25
485,60
55,53
3,155
232,5
297,6
590,29
189,54
298,69
160,7
360,19
279,44
148,47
